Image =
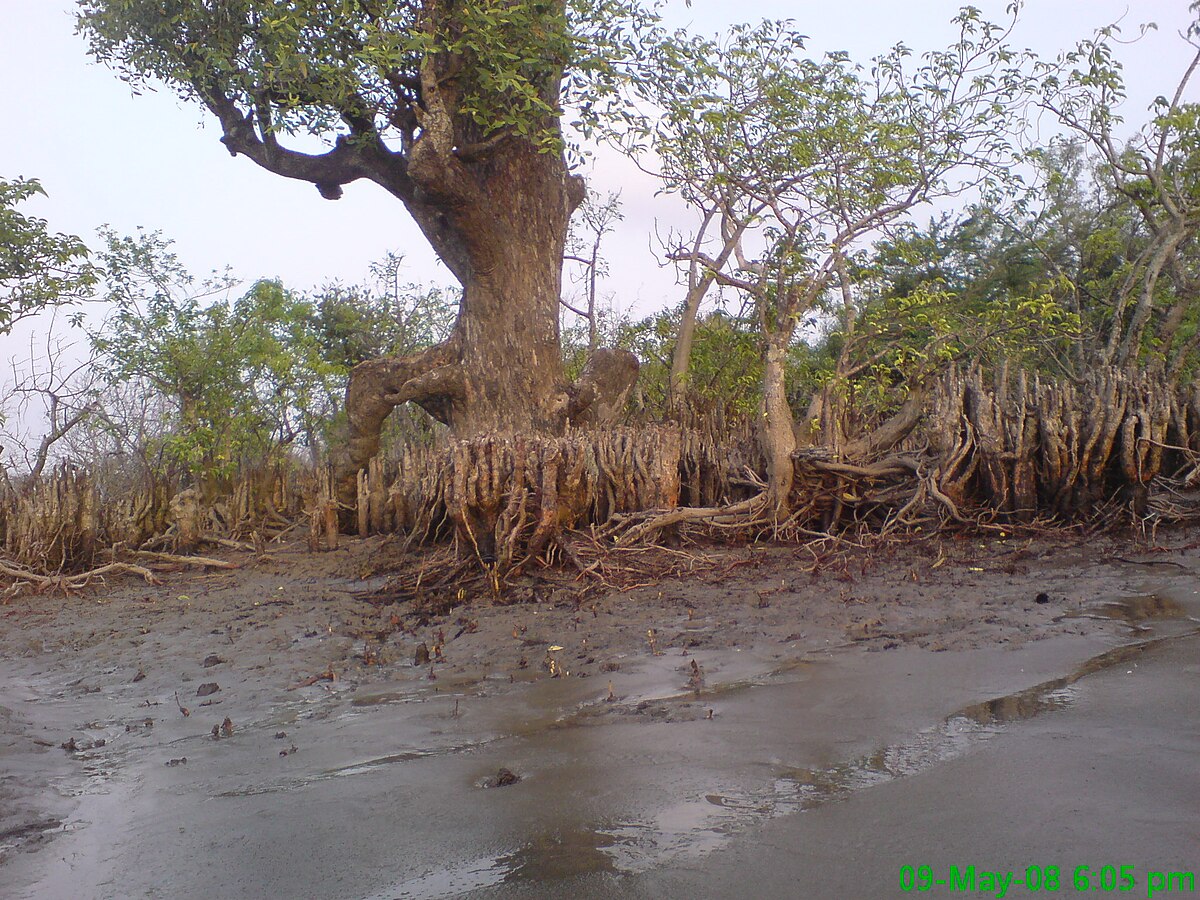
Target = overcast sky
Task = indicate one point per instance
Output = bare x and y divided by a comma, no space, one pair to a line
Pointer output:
107,157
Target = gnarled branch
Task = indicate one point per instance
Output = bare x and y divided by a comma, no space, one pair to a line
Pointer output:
370,397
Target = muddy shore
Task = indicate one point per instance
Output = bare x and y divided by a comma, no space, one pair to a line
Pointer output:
336,747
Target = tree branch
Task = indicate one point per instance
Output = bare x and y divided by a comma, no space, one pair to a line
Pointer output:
579,312
361,157
348,160
57,433
714,267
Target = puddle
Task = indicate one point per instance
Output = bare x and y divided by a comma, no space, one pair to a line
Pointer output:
554,856
957,733
550,858
452,881
407,756
1133,611
388,697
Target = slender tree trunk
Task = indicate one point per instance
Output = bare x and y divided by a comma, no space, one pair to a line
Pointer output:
681,359
593,277
700,279
776,430
1168,241
698,285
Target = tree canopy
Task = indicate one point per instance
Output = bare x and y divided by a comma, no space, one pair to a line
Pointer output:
410,95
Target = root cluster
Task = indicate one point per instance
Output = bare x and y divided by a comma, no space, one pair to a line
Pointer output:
1007,450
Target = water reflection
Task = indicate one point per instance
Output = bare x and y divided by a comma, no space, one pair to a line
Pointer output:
952,737
553,856
1142,608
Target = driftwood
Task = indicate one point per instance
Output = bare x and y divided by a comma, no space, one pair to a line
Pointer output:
184,559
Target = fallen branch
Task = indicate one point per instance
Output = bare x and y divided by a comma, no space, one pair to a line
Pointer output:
896,465
226,542
184,559
327,675
1150,562
745,512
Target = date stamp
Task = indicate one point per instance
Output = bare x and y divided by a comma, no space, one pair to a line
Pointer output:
1105,879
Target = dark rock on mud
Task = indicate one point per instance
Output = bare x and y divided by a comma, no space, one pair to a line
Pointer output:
502,778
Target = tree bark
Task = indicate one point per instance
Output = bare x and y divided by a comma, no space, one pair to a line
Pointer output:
776,428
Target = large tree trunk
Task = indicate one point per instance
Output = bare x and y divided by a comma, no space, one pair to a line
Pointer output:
510,358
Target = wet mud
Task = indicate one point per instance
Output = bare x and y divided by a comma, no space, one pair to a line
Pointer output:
627,757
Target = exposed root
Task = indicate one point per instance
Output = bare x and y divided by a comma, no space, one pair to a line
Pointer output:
1002,451
436,580
931,485
27,578
637,528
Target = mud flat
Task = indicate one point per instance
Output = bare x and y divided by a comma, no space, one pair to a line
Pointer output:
993,702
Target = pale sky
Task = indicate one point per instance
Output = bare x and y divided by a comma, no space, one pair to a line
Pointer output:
107,157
